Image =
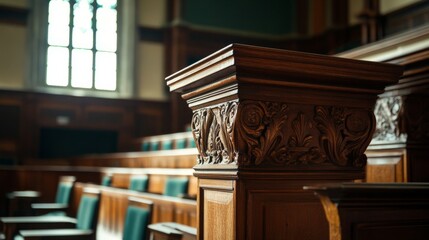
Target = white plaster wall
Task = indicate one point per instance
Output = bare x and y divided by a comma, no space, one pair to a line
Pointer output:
15,3
387,6
355,7
150,71
152,13
12,56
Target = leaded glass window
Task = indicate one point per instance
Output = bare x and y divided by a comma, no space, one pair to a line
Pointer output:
82,44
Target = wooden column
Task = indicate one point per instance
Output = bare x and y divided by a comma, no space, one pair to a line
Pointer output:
399,149
267,122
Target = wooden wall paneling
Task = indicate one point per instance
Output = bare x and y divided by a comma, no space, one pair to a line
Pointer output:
386,166
152,118
11,128
267,122
407,18
41,112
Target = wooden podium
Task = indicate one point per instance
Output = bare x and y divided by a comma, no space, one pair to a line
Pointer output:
266,122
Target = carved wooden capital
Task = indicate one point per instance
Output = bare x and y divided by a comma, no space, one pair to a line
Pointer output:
402,119
389,115
288,135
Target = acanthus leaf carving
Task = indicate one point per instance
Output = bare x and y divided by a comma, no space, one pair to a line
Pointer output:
345,134
260,132
213,132
253,133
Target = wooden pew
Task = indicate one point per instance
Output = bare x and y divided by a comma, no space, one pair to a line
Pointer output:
157,177
179,140
368,211
114,203
175,158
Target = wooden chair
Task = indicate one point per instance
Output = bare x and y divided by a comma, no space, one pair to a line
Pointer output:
62,198
138,218
106,180
83,227
176,186
138,183
22,203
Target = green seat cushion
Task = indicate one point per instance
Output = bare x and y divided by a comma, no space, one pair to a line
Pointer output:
154,146
167,145
192,143
180,143
175,186
138,183
63,193
87,213
145,146
106,181
136,222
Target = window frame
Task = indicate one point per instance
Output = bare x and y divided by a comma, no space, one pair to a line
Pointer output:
126,54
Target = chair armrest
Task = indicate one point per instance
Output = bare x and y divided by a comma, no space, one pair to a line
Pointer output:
160,231
57,234
11,225
44,208
182,228
188,196
20,202
50,206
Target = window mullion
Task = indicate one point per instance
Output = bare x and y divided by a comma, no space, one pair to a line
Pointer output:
70,47
94,41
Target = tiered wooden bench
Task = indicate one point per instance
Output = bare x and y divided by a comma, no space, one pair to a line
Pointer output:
114,203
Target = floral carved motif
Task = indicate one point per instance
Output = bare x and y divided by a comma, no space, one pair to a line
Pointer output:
260,132
273,134
213,133
345,134
302,145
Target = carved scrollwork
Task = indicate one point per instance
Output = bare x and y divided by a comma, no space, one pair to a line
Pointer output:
213,132
345,134
260,132
256,133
